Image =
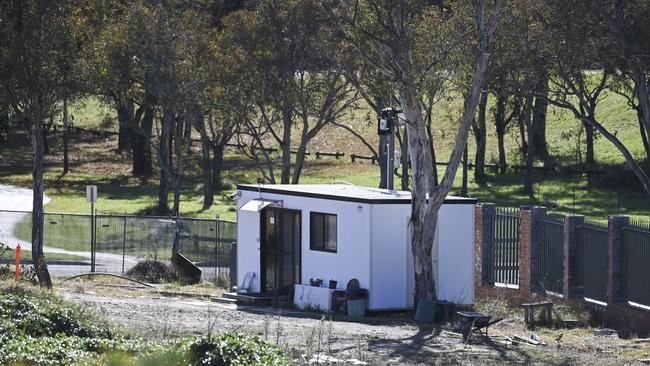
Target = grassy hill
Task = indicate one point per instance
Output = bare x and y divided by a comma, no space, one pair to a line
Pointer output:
95,161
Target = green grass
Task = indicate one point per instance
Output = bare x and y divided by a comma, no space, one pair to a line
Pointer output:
27,255
94,161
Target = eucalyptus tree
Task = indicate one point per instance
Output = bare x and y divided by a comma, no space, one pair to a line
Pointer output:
293,66
631,31
583,68
119,75
35,38
404,40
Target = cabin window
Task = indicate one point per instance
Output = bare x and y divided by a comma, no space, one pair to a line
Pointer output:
322,231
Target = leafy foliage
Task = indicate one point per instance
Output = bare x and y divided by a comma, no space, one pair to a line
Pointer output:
37,327
234,349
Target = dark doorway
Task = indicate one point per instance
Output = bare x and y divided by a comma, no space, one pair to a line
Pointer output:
280,250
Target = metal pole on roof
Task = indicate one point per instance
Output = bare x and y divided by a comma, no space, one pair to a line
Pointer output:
390,163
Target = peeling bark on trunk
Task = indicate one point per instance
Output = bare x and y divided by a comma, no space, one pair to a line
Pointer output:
37,139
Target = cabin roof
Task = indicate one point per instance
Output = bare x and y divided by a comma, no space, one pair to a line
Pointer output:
345,192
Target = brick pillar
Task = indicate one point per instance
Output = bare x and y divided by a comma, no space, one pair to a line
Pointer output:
524,251
615,224
536,213
570,245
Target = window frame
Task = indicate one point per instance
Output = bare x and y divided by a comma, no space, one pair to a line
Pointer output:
325,227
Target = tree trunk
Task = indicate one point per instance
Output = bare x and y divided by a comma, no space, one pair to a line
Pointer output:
521,121
140,145
530,152
432,149
643,94
539,120
285,145
405,161
125,111
481,138
178,129
463,189
300,162
45,131
500,122
217,165
165,164
645,134
589,141
206,163
37,139
66,137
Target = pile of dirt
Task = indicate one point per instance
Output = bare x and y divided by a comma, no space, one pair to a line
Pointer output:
153,271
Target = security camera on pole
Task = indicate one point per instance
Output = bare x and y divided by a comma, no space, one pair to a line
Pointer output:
388,119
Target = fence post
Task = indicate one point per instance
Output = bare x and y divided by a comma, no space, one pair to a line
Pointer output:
93,236
487,217
217,270
614,225
570,242
123,242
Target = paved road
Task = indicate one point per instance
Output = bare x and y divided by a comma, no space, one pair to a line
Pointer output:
20,199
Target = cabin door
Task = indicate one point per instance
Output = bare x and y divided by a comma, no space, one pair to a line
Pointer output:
280,250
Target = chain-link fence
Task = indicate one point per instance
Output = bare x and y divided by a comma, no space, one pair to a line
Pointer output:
121,241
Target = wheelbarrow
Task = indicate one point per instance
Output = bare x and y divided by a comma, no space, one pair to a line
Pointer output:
473,321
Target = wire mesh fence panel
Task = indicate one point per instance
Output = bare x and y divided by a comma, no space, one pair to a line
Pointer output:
209,244
149,238
635,256
122,241
590,277
505,246
550,254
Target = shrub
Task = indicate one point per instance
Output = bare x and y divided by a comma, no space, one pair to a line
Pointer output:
234,349
152,271
37,327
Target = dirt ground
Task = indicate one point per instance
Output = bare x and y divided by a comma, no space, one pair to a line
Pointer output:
376,340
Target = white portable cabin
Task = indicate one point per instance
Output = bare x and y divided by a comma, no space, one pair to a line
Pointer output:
289,234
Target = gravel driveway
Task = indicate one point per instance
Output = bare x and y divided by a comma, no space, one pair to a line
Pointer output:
375,341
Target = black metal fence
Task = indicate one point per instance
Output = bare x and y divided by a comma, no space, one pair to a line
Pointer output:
550,253
121,241
505,246
635,263
589,277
